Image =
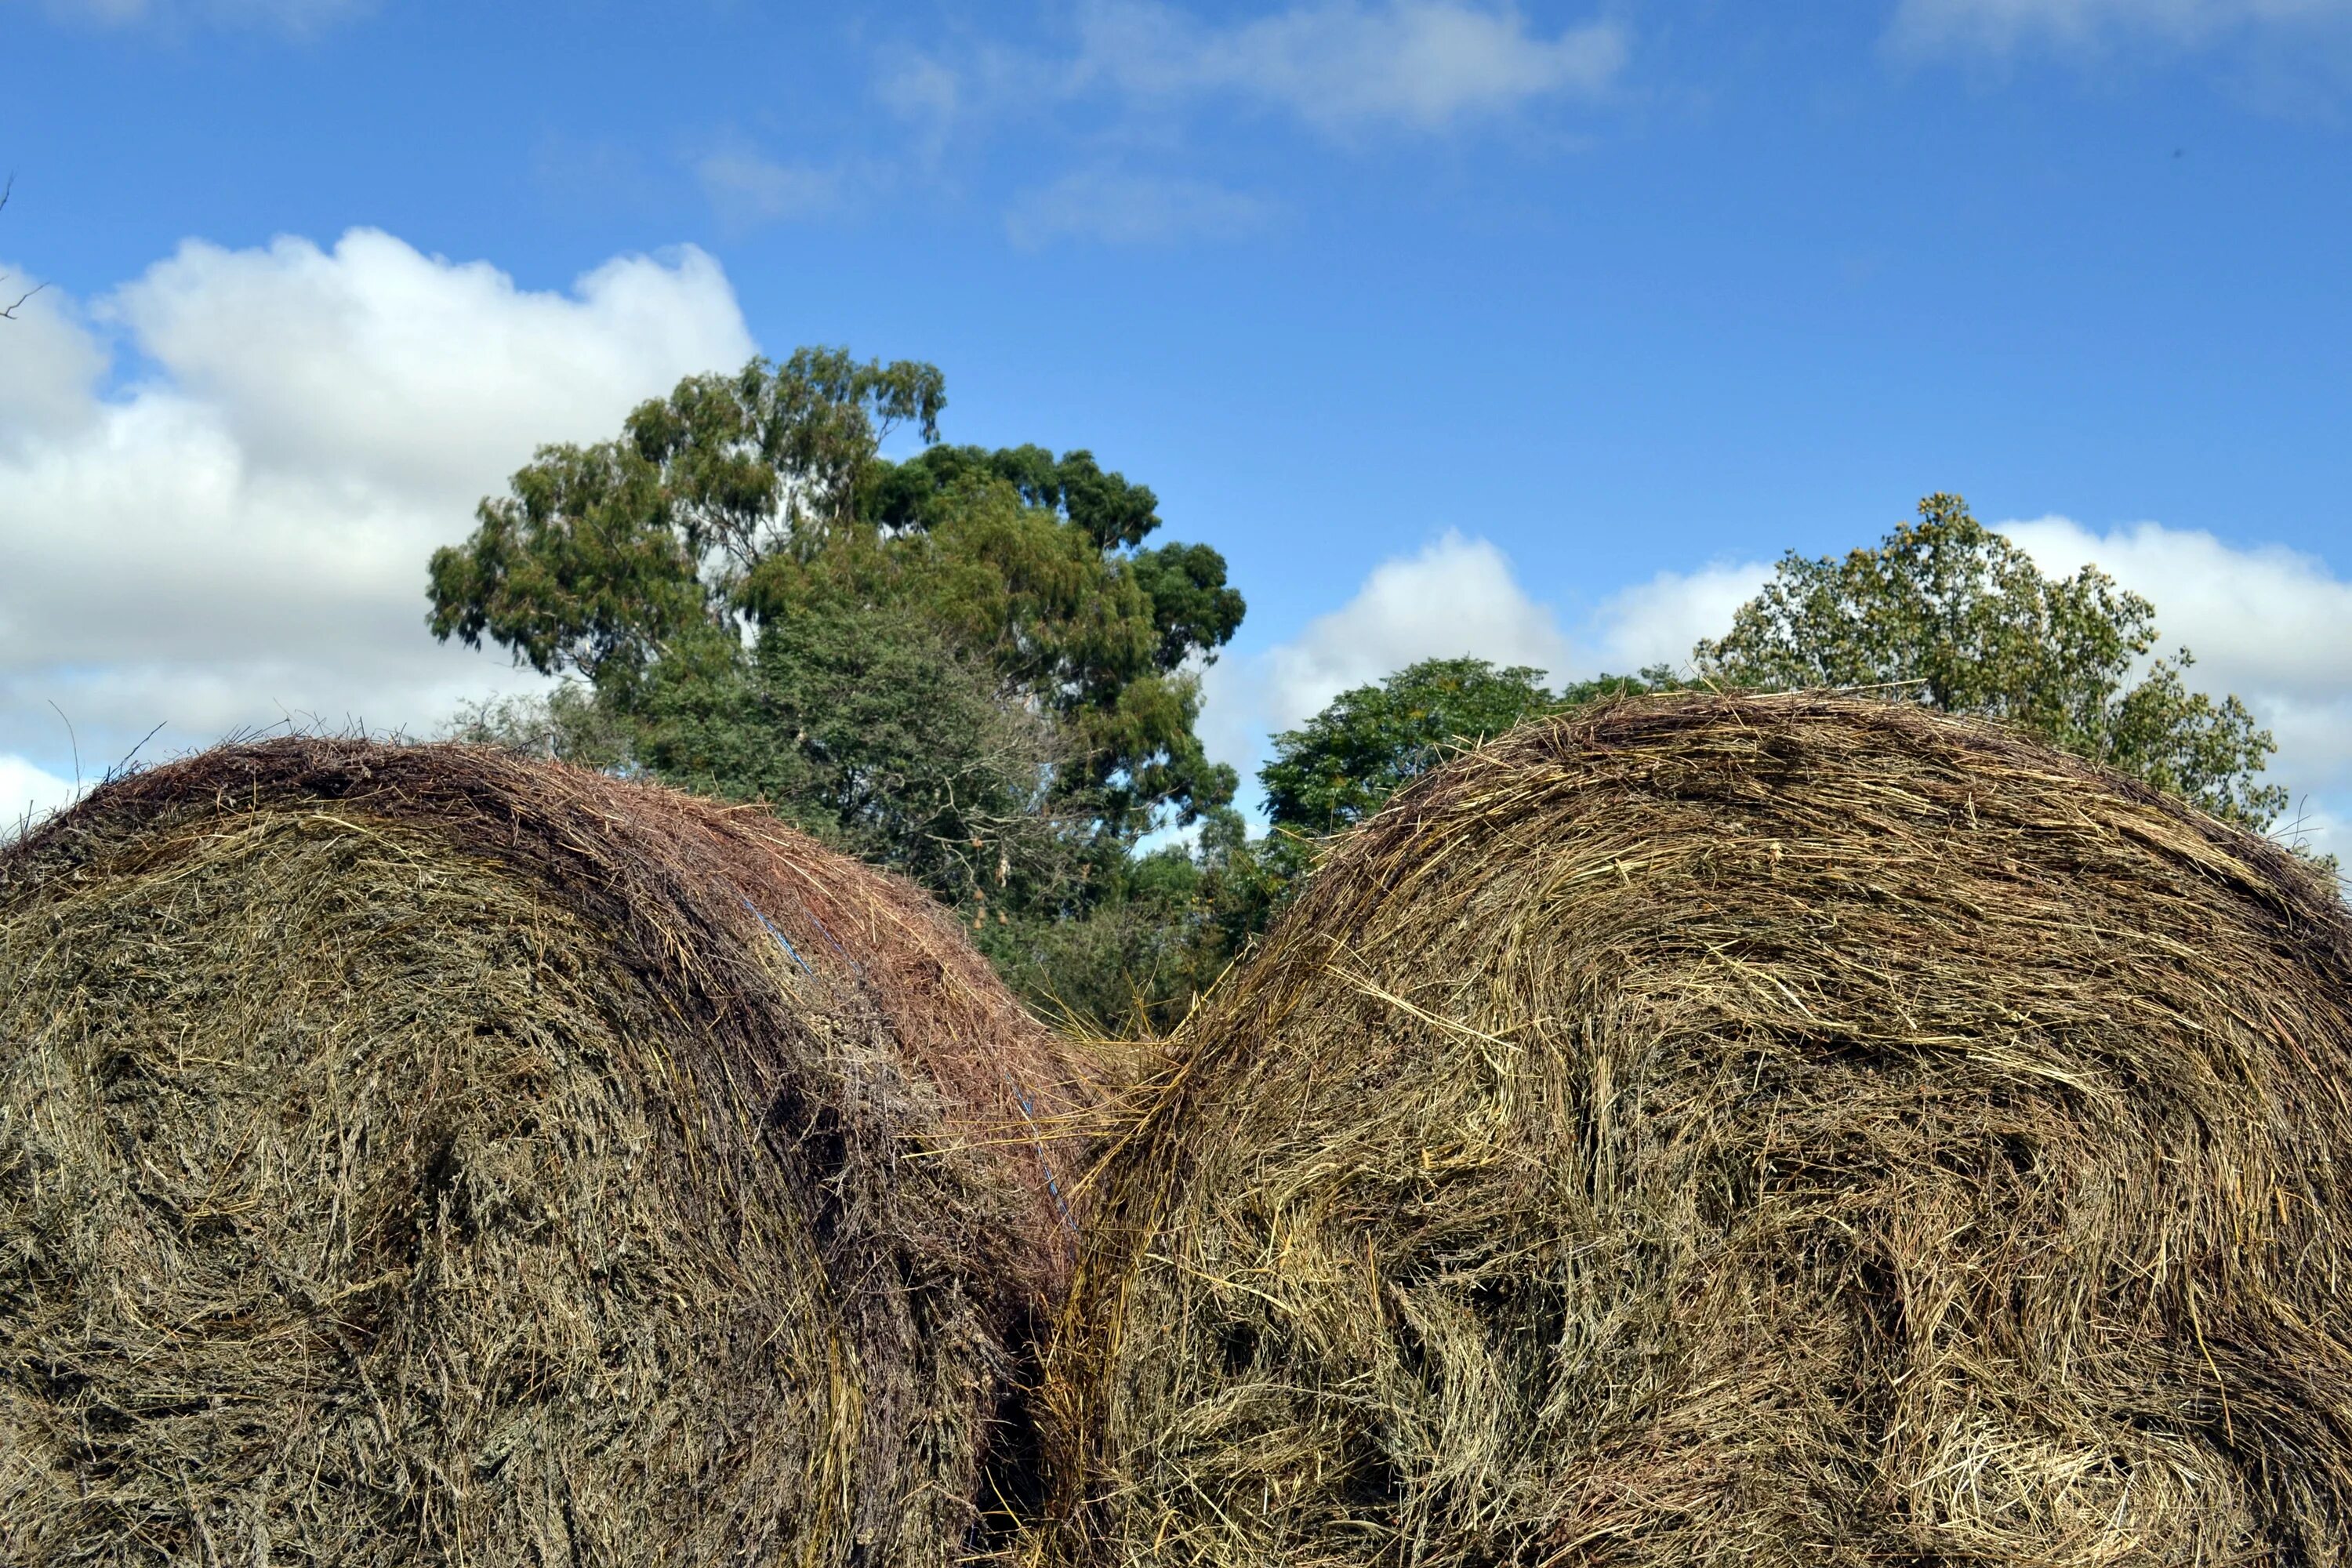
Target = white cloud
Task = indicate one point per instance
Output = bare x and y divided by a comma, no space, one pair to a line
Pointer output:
2265,623
1659,621
376,363
1999,27
2263,613
1457,597
1342,67
1132,209
52,369
1340,64
1461,596
27,793
242,538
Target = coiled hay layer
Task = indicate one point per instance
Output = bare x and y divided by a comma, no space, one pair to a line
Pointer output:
1754,1131
416,1155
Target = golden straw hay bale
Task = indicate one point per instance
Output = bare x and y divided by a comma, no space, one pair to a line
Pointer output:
414,1154
1741,1129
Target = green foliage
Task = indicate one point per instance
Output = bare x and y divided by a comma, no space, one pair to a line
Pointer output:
1168,924
966,666
1100,636
2184,742
601,556
745,501
1108,510
1965,621
567,724
871,729
1342,765
577,570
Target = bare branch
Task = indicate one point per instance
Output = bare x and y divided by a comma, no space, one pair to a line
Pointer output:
9,314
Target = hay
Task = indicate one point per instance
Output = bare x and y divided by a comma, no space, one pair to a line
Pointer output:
1796,1130
415,1155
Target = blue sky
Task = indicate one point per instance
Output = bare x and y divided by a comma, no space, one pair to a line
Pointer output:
1458,326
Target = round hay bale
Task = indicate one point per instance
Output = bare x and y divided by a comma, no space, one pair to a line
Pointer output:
1760,1131
421,1155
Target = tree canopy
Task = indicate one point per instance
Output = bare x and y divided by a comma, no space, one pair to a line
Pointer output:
1339,767
873,729
1368,742
971,665
707,571
600,557
1948,612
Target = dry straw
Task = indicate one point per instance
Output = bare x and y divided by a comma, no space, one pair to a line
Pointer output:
417,1155
1760,1131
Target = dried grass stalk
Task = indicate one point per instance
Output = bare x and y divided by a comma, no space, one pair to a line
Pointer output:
418,1155
1762,1131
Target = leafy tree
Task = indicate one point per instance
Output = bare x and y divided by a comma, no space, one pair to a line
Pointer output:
1036,563
1168,924
1959,619
600,557
706,572
872,729
1342,765
918,493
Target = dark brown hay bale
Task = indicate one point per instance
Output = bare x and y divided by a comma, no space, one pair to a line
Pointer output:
415,1154
1775,1131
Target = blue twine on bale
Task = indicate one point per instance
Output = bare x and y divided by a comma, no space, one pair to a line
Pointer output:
830,942
782,941
1053,1182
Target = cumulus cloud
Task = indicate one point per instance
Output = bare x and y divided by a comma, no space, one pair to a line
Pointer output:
28,794
1660,620
373,362
2003,25
1460,595
1456,596
1118,208
240,537
52,369
2265,623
